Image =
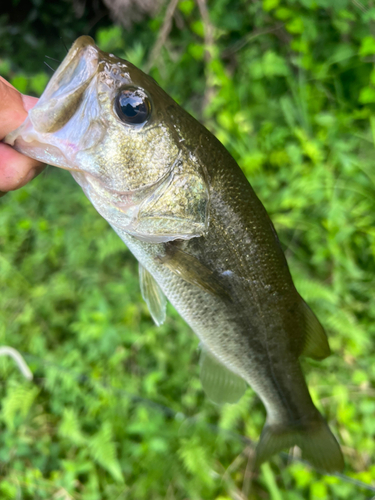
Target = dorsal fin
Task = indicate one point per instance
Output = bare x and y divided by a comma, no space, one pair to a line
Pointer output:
219,383
153,296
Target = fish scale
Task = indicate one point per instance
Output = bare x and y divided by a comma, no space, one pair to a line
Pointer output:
203,239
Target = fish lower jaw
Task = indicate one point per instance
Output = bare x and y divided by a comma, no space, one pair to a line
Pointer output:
26,141
45,153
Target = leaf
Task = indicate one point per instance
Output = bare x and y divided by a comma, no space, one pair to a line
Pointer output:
18,400
70,428
269,478
103,450
195,458
367,46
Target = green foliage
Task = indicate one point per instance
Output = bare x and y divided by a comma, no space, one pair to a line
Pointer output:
116,408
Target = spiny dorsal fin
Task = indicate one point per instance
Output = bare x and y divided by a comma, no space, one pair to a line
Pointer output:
153,296
219,383
315,342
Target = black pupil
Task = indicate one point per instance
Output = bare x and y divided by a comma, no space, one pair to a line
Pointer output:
132,106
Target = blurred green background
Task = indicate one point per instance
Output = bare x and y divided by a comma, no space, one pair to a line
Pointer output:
116,409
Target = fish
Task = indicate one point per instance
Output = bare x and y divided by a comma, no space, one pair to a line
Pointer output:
202,238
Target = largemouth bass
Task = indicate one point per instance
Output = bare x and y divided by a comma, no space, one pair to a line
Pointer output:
203,239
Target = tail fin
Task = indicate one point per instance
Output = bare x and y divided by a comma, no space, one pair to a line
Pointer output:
316,441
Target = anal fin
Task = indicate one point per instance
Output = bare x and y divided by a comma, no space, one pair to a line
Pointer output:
219,383
152,295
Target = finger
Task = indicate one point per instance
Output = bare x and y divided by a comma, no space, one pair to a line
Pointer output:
12,111
28,101
16,169
6,82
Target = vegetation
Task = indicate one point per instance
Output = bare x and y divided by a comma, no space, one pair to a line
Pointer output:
116,409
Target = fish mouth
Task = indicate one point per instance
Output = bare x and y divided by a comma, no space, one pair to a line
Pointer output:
41,136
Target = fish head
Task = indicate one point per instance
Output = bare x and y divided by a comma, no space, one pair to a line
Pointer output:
121,137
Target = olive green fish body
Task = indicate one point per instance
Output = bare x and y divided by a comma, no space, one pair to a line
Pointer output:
202,237
257,328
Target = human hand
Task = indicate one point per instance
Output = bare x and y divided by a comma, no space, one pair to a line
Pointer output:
16,169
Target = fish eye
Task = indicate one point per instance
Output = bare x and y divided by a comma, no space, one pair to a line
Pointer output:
133,106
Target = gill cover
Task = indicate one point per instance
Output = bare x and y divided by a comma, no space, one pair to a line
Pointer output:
178,211
174,208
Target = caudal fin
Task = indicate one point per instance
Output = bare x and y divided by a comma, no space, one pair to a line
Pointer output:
318,444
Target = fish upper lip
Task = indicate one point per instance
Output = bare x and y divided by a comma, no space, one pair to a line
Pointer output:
67,85
82,43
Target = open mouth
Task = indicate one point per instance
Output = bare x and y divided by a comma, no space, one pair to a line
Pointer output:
38,137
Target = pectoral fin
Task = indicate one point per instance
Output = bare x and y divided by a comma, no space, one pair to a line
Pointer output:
153,296
219,383
315,342
190,269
